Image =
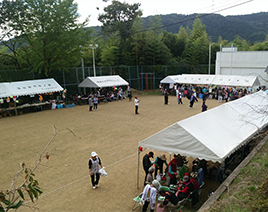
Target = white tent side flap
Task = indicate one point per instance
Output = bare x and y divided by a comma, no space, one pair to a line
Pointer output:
29,87
103,81
214,134
4,91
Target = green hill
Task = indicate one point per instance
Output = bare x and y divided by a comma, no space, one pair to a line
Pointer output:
253,27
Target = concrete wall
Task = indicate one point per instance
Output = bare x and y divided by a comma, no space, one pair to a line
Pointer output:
243,63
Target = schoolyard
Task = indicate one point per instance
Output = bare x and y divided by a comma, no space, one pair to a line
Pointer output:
113,131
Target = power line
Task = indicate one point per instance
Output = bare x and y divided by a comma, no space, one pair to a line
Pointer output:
200,16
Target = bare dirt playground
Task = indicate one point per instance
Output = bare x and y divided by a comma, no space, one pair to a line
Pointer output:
113,131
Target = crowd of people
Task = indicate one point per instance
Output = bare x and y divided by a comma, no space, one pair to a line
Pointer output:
184,179
181,178
93,99
191,92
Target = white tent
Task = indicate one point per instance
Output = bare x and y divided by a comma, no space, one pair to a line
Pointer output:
29,87
234,80
204,79
196,79
214,134
103,81
171,79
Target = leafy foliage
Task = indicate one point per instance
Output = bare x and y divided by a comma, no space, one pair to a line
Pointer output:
119,17
46,33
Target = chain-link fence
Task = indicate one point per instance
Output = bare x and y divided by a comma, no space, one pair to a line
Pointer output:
138,77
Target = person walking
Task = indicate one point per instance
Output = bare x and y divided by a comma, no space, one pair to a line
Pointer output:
90,102
166,96
147,164
137,101
204,106
94,163
130,94
192,100
179,97
95,101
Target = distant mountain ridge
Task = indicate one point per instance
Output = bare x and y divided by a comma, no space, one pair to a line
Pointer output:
253,27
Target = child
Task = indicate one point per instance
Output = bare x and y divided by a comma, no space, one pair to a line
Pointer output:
136,104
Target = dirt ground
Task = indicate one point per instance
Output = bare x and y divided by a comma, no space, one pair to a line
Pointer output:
113,131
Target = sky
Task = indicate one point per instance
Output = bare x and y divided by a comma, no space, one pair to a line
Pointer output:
156,7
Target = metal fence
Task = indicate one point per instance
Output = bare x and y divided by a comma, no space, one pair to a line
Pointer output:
139,77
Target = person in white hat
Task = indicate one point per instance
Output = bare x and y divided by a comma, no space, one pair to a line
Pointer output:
149,195
94,163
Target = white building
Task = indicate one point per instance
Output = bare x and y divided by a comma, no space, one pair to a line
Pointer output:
246,63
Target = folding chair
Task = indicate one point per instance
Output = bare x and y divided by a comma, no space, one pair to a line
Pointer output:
138,202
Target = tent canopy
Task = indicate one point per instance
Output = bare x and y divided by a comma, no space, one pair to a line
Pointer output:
233,80
214,134
196,79
171,79
103,81
228,80
29,87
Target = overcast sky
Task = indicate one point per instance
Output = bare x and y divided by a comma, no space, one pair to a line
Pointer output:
155,7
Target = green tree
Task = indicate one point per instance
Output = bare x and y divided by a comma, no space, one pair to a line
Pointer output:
196,50
47,34
119,17
172,42
138,32
156,52
240,43
155,24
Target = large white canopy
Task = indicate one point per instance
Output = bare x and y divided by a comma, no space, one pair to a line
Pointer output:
171,79
103,81
234,80
204,79
214,134
196,79
29,87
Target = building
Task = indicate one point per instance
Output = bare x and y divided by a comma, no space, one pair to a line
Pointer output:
229,61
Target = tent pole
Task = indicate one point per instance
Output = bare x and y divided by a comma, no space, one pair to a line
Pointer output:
16,112
138,169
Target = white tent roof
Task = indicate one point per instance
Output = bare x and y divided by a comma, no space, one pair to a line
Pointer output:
29,87
233,80
103,81
171,79
228,80
214,134
196,79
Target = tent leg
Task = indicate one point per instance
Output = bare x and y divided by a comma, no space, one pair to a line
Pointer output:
138,169
16,112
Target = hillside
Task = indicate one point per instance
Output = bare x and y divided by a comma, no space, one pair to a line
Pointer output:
253,27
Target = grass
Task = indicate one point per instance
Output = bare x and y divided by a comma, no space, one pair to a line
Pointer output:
249,191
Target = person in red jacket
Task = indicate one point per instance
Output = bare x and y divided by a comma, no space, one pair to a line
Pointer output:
172,171
193,179
185,187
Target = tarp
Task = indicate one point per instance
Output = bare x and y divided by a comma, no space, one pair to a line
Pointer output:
234,80
204,79
171,79
29,87
196,79
214,134
103,81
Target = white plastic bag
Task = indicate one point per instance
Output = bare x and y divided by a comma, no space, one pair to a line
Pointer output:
103,172
158,177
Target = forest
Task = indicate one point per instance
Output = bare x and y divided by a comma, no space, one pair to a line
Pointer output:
45,37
